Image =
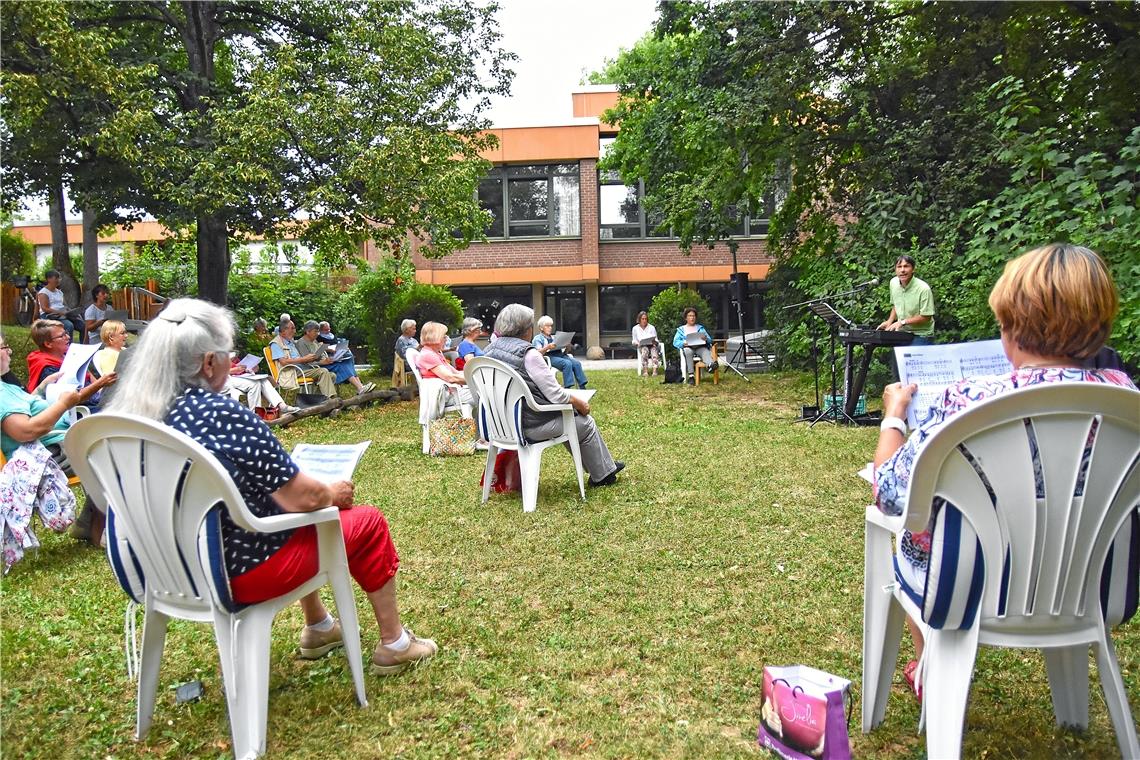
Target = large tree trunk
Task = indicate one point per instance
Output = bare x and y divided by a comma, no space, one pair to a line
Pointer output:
90,256
213,258
60,249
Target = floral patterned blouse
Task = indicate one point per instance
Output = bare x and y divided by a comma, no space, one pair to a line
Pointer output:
892,479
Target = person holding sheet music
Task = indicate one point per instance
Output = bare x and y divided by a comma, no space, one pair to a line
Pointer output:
257,389
325,334
560,360
645,343
694,342
180,367
1055,307
53,339
113,336
912,304
293,364
343,369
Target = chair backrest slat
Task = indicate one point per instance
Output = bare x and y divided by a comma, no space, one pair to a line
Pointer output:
502,396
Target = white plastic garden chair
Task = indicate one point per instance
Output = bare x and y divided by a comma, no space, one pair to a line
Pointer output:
437,397
660,355
161,488
502,396
1062,537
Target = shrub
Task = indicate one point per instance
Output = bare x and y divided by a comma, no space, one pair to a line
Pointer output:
667,312
171,264
17,254
304,295
423,303
361,313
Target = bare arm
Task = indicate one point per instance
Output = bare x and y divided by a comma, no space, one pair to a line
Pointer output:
25,429
896,399
304,493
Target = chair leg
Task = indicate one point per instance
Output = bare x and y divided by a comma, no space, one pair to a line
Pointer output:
882,626
251,647
1068,669
489,470
576,455
530,464
1108,668
224,635
949,668
427,443
154,638
335,561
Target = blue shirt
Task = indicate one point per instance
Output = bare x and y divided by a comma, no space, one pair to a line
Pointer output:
15,400
254,458
467,347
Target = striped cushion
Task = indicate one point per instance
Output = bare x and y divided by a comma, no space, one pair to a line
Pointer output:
124,563
1119,584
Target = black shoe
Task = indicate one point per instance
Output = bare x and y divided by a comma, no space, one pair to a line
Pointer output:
690,380
610,479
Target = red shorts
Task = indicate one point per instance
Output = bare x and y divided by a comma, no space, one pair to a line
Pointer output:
372,558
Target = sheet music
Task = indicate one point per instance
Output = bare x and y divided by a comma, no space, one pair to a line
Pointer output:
934,368
562,339
329,463
584,394
696,339
76,361
250,361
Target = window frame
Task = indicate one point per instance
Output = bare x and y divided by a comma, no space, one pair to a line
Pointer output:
504,174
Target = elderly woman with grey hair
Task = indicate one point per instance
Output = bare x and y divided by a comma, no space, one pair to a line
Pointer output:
406,339
515,326
180,366
472,328
344,370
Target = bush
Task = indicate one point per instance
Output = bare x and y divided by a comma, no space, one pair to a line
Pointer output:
171,264
667,312
17,254
423,303
361,313
304,295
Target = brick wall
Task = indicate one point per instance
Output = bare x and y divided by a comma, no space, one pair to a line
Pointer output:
667,253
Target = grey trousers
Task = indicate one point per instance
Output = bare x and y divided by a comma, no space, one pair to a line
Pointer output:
596,457
703,353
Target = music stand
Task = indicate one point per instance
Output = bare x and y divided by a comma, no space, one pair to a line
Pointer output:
828,314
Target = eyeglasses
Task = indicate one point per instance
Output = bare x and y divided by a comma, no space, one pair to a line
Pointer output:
62,336
5,347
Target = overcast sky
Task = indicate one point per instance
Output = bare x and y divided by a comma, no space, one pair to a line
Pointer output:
558,43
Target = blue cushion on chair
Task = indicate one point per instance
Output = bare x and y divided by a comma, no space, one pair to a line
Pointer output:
955,575
124,562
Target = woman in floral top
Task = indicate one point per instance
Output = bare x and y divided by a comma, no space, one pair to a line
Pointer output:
1055,307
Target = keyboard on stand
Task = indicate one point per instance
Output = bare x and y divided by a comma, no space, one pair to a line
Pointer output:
860,336
853,381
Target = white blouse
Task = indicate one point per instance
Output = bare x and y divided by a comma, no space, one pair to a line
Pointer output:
639,334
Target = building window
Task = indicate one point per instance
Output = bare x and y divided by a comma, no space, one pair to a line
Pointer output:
719,296
541,200
485,302
619,304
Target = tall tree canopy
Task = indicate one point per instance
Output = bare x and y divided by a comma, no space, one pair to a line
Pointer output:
960,133
338,121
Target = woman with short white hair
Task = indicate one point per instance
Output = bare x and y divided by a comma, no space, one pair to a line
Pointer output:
180,367
470,330
570,367
406,339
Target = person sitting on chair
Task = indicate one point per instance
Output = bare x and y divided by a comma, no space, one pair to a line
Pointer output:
432,362
514,347
113,336
471,329
258,391
293,365
259,340
53,339
325,334
344,369
570,367
96,313
182,363
688,353
53,306
647,354
1055,307
406,339
27,416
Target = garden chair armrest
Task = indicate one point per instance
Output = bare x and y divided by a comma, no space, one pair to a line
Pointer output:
892,523
290,520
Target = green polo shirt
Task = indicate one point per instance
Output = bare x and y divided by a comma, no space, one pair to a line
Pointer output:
15,400
915,299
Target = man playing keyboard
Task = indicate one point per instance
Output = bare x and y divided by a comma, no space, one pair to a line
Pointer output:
912,304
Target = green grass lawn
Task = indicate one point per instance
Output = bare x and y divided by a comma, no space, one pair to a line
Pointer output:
634,624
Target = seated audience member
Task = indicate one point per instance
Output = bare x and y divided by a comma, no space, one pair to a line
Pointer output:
258,391
53,340
113,336
472,328
515,326
27,417
570,367
344,370
53,306
406,339
688,352
433,364
1055,307
96,312
325,334
185,351
644,331
292,364
260,338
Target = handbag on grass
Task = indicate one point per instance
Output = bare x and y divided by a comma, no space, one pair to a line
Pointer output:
506,475
451,436
802,715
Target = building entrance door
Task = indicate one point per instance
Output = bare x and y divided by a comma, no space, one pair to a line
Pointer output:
566,305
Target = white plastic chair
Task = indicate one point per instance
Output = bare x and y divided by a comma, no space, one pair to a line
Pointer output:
660,355
502,395
431,391
161,488
1057,542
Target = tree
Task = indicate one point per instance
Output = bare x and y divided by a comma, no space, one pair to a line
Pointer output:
338,121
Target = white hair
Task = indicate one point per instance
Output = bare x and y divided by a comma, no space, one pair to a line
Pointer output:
406,324
168,357
543,321
514,320
470,325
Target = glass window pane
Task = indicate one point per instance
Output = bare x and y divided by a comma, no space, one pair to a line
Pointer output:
491,199
618,204
652,221
565,169
527,200
614,309
528,170
734,214
566,206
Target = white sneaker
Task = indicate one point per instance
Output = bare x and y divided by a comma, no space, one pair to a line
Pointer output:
286,409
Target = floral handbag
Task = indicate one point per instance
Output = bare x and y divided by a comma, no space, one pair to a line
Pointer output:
451,436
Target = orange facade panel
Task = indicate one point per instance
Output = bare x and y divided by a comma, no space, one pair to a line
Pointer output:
564,275
544,144
651,275
594,104
40,234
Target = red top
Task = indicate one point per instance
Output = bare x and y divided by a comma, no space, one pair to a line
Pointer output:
429,360
40,365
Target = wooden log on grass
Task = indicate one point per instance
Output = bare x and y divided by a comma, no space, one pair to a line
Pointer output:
383,396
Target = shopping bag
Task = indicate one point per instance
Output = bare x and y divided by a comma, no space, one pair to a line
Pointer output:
506,475
451,436
802,714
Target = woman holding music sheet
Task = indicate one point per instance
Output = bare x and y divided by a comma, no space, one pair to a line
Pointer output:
645,343
693,340
1055,307
570,367
343,369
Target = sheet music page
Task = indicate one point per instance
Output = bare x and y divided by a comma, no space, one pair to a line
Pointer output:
75,361
329,463
562,339
250,361
584,394
695,339
934,368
